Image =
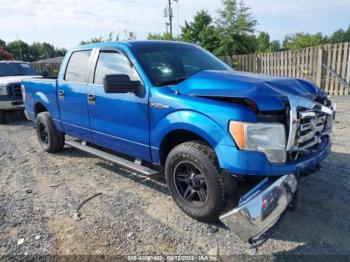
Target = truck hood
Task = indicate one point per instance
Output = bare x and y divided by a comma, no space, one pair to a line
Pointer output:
4,80
268,92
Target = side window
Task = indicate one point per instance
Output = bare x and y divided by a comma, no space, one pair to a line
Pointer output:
113,63
77,66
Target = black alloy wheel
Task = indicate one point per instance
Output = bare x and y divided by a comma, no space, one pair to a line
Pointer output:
191,184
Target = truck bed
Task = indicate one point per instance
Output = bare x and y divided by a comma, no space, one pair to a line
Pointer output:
40,94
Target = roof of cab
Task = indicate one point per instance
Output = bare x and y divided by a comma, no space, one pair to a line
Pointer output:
131,44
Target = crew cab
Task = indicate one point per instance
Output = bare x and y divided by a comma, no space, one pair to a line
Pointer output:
154,106
11,75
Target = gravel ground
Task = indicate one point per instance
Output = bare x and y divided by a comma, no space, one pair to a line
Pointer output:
135,215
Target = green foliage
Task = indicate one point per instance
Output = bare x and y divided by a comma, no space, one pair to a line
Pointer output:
265,45
275,46
165,36
92,41
110,38
21,50
340,36
2,43
302,40
236,26
192,31
232,33
201,32
263,42
36,51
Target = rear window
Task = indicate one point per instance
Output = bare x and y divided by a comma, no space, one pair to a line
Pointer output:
78,66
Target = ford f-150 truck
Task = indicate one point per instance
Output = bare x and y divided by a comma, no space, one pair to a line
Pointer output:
11,75
151,104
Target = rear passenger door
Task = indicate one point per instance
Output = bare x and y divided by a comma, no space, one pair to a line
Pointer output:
72,98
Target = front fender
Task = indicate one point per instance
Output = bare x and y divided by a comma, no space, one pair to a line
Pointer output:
194,122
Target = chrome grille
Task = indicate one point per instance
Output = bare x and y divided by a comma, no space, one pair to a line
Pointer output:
312,125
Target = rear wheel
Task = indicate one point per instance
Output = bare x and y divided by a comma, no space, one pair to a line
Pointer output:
194,181
2,116
49,137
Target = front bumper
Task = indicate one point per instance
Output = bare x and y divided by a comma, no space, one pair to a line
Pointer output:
255,163
261,207
11,105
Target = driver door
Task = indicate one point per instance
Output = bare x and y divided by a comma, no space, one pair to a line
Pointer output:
118,121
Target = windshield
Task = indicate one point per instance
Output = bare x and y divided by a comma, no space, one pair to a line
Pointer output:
169,63
16,69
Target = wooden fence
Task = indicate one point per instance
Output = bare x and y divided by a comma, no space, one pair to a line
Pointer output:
327,66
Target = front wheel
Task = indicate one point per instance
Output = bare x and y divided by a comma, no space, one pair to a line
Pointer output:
194,181
51,140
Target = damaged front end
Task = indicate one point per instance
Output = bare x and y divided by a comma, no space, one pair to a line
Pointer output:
261,207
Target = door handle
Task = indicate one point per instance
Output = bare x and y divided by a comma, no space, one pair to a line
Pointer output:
91,99
61,94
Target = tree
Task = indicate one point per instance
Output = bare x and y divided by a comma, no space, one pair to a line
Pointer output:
264,44
2,43
191,32
92,41
340,36
236,26
21,51
201,32
210,39
302,40
275,46
43,50
165,36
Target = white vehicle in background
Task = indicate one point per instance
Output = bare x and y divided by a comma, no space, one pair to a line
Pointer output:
11,75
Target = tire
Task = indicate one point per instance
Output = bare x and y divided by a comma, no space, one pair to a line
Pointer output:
51,140
2,116
200,161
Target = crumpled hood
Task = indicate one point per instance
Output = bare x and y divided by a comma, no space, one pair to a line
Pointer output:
268,92
4,80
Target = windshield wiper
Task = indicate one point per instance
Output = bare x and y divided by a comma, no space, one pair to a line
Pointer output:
174,81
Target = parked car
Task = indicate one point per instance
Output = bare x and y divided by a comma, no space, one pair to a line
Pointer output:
11,75
176,106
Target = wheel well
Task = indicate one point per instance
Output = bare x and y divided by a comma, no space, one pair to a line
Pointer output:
175,138
39,108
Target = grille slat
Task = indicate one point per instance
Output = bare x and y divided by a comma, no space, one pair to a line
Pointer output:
312,126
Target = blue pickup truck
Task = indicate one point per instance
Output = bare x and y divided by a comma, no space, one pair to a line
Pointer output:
154,106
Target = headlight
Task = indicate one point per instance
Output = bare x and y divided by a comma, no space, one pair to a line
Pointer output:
3,90
263,137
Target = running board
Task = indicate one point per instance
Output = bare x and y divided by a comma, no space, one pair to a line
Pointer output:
112,158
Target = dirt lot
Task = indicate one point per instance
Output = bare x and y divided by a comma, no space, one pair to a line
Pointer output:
39,193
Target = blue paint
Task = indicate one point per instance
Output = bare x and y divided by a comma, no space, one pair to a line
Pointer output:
127,124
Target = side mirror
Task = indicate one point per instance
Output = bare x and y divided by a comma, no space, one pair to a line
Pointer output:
121,84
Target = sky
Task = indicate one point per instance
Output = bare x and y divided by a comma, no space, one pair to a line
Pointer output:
64,23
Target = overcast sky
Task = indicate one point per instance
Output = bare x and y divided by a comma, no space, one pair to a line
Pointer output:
65,23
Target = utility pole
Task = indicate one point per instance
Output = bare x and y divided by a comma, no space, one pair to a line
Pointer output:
170,14
19,48
170,18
